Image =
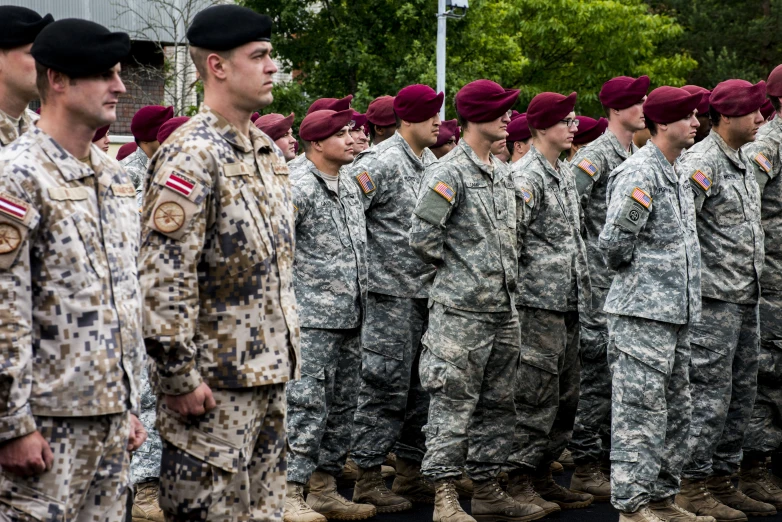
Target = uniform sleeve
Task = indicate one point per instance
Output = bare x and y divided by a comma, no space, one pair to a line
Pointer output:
764,159
629,206
300,201
437,200
175,219
701,177
588,167
529,192
16,351
367,174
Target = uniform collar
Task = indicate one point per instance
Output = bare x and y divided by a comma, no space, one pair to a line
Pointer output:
665,165
421,162
488,170
548,167
231,134
611,137
70,167
733,155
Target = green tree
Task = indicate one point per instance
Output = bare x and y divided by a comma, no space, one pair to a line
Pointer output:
376,47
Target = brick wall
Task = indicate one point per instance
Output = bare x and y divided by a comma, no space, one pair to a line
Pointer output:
143,78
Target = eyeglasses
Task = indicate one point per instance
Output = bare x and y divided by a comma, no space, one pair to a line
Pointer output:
570,121
509,114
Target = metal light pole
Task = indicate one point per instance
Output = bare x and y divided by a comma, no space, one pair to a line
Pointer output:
445,9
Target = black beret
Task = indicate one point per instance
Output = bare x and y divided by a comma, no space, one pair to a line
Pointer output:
19,26
226,27
80,48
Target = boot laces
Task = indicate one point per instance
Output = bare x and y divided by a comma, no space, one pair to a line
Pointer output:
651,515
375,481
764,478
451,496
526,487
726,482
595,470
298,499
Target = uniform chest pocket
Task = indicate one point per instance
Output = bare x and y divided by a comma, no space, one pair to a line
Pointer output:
729,210
327,220
243,235
74,255
355,215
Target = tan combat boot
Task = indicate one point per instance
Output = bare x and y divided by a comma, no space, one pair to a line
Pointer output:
146,506
325,499
755,481
296,510
589,479
723,490
464,486
566,459
371,489
520,488
566,499
410,484
642,515
670,511
350,472
557,468
696,498
490,503
446,504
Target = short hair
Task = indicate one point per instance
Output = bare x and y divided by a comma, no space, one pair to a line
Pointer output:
199,56
509,145
533,132
652,126
607,111
775,103
42,80
714,116
398,120
461,120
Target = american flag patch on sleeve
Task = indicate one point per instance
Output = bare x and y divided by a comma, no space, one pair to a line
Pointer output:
702,180
444,190
763,161
365,182
587,166
641,197
526,194
181,184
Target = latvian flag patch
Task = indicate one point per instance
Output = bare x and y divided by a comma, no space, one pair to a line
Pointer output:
587,166
179,183
13,207
761,160
702,180
366,183
444,190
641,197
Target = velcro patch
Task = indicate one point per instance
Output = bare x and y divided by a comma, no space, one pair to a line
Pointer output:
180,184
587,166
281,169
526,195
16,208
702,180
763,162
69,193
444,190
123,190
641,197
236,169
365,182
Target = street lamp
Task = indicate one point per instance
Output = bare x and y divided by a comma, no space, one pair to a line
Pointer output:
446,9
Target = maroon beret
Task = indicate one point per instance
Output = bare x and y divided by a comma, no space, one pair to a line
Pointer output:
622,92
767,109
381,111
100,133
484,100
331,104
417,103
275,125
359,120
668,104
774,83
518,129
738,97
126,150
515,114
703,107
320,125
589,129
448,129
548,108
254,117
148,120
168,128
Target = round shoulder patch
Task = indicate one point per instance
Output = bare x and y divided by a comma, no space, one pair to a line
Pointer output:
10,238
169,217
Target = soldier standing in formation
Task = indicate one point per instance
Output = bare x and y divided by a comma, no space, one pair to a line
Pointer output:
446,139
144,127
381,118
279,128
519,140
70,325
216,270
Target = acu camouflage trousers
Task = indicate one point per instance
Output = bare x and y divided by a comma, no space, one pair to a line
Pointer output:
723,377
392,406
469,366
89,478
546,386
322,403
650,409
228,464
145,461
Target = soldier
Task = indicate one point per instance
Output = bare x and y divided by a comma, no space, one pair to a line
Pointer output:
553,287
144,127
446,139
279,128
70,307
101,138
464,223
499,150
519,138
725,344
216,270
360,140
126,150
330,280
764,434
589,129
321,104
703,111
622,99
382,122
392,406
18,28
168,128
649,241
767,111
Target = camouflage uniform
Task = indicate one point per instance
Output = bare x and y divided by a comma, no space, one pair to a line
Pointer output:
465,224
650,239
725,342
216,271
70,326
592,165
10,130
392,406
764,434
136,166
553,286
330,280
